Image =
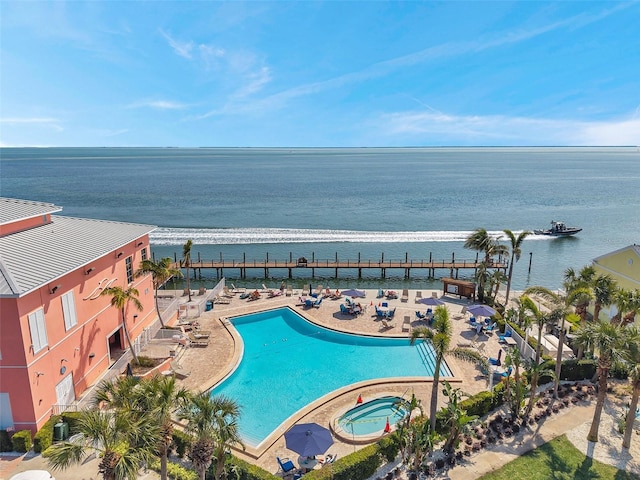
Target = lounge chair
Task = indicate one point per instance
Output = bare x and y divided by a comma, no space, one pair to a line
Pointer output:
286,465
178,370
244,295
391,313
234,289
503,338
199,334
489,330
434,294
385,325
405,295
201,291
317,303
380,293
305,291
391,295
345,310
227,293
265,289
418,296
481,347
221,299
420,316
274,293
406,325
289,290
318,291
198,342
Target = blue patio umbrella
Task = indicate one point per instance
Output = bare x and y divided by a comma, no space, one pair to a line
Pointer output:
308,439
354,293
481,311
431,301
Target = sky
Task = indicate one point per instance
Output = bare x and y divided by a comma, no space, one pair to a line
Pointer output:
319,73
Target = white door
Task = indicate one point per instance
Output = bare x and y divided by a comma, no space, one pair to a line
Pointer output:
6,418
64,391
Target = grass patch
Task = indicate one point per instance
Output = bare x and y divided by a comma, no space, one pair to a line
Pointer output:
558,460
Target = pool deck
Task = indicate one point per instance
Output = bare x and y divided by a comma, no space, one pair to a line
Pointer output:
209,365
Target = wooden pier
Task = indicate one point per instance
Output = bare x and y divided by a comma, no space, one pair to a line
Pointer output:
291,265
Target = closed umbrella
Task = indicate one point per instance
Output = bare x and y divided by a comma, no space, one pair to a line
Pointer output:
481,311
354,293
431,301
308,439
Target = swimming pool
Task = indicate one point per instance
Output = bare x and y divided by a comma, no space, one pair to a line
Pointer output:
371,417
289,362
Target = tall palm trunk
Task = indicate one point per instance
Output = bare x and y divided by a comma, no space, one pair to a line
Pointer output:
631,415
433,406
158,306
126,334
556,383
602,393
534,377
509,277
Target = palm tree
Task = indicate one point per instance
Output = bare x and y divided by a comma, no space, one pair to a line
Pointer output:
120,298
121,393
160,271
161,396
440,338
607,339
455,417
481,241
604,288
628,304
124,440
495,280
514,359
562,303
186,263
516,251
541,320
632,359
213,422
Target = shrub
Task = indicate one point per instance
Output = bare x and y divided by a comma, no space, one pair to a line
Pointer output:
146,362
175,471
44,437
618,371
21,441
247,471
5,441
389,447
578,369
72,419
359,465
181,442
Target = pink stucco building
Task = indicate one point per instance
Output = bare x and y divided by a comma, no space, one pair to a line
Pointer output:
58,335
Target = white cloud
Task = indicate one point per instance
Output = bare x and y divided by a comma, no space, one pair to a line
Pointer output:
159,105
47,122
181,48
441,128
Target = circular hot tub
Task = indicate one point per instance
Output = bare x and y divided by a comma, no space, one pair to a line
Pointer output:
367,421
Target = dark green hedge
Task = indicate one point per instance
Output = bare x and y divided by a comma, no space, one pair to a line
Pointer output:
248,471
578,369
43,439
181,442
72,419
5,442
389,447
359,465
21,441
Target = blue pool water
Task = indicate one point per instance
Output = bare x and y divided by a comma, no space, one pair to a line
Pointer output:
289,362
371,417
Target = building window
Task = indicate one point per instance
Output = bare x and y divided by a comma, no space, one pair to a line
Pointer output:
69,310
143,254
129,264
38,330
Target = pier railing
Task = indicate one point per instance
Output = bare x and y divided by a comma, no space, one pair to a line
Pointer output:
408,265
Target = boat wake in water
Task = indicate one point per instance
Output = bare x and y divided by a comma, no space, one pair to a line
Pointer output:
246,236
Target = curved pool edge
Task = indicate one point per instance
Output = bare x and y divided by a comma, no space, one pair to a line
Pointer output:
257,451
359,439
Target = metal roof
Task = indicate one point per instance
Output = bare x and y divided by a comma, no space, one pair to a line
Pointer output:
35,257
13,209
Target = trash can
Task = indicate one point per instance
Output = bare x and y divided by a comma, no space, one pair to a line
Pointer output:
209,306
61,431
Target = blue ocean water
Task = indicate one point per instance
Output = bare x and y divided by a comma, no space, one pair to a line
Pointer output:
323,203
